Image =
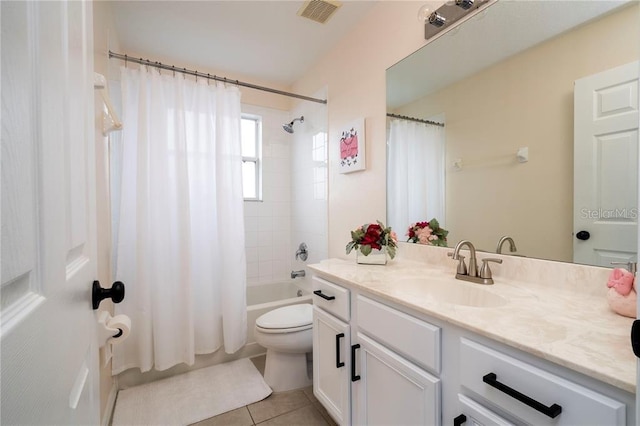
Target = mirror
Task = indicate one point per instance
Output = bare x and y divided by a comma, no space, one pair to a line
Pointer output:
502,83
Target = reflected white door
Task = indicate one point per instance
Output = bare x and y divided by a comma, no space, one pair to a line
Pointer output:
48,331
605,203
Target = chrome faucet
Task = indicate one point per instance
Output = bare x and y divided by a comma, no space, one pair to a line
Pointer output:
484,277
502,240
630,266
303,252
296,274
472,271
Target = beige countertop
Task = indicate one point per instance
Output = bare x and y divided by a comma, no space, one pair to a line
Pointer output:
571,328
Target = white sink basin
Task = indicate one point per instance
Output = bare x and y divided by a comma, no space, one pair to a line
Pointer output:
454,292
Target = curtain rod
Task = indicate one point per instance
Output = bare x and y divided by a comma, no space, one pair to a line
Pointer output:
127,58
419,120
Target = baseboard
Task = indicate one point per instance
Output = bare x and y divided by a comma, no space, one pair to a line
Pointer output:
111,404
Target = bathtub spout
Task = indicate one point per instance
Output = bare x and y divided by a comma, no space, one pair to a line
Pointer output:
296,274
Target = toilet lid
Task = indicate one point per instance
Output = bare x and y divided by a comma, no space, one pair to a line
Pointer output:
287,317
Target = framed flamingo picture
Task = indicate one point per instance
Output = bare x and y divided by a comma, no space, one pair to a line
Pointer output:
352,147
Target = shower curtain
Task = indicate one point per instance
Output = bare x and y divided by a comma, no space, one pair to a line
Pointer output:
415,174
179,230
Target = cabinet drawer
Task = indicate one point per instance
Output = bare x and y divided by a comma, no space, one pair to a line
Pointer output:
331,297
416,339
474,414
527,392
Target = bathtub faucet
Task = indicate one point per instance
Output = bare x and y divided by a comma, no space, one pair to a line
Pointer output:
296,274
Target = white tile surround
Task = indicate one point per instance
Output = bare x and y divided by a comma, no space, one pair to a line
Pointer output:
556,311
294,204
268,222
309,182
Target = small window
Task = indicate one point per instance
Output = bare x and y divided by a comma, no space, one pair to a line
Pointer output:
251,135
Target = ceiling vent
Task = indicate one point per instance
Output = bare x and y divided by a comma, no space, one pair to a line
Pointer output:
319,10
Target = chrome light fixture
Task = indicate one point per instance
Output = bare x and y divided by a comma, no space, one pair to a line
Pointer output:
436,19
464,4
447,15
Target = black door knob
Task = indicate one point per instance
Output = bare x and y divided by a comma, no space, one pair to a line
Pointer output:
115,293
583,235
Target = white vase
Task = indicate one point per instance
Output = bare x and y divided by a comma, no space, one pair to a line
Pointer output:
376,257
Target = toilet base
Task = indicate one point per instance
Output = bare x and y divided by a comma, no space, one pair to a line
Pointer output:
286,371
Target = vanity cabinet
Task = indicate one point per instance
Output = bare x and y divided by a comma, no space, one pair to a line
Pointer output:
332,364
332,348
532,394
378,362
365,371
474,414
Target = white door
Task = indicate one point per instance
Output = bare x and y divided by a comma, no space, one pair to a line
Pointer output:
392,390
48,329
331,365
606,167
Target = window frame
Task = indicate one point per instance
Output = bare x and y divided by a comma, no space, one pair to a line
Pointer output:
257,159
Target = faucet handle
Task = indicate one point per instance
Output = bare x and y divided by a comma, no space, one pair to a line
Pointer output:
462,267
631,266
485,271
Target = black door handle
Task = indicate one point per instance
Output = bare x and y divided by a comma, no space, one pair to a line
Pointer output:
459,420
338,363
354,376
635,337
324,296
583,235
115,293
552,411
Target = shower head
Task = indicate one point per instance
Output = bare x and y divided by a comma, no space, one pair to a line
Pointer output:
288,127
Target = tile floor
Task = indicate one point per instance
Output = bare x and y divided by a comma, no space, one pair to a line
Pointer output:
296,407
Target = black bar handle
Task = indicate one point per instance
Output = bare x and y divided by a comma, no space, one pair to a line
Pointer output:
552,411
460,420
324,296
338,363
354,376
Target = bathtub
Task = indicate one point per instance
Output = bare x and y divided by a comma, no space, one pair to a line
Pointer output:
260,299
267,297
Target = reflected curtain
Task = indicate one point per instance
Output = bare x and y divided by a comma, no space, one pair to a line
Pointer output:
415,174
179,230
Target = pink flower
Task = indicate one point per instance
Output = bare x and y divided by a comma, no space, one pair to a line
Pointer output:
394,236
423,235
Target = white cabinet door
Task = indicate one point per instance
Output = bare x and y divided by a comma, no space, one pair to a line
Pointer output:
49,346
391,390
331,365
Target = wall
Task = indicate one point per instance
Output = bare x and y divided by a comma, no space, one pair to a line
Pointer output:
354,73
521,103
268,222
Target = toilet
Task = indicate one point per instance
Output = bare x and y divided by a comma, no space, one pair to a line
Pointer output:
286,333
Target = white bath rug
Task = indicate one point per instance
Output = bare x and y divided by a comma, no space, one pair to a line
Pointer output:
193,396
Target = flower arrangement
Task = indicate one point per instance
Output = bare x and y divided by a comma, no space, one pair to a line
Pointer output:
373,236
428,233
